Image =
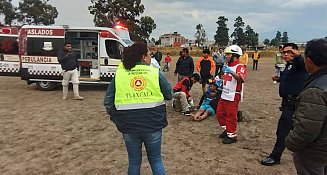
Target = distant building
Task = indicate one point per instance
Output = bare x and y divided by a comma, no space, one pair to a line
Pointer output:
174,40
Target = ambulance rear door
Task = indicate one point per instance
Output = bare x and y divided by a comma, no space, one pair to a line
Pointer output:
9,58
110,54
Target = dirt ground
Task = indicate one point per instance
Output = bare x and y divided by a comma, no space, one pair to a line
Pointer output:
42,134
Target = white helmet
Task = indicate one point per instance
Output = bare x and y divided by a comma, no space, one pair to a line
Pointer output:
233,49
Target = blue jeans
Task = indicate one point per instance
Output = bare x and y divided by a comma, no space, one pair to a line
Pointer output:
152,142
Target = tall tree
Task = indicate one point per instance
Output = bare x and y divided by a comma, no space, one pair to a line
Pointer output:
284,38
251,38
37,12
108,12
266,41
277,40
274,42
200,35
8,10
147,25
221,37
238,34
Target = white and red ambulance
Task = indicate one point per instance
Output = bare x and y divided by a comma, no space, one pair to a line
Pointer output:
99,51
9,59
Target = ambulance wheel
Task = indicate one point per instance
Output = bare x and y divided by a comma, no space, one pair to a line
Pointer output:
45,85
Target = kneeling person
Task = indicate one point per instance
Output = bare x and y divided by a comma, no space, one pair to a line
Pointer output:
181,93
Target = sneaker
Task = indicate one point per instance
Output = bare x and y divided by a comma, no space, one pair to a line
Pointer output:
173,103
269,161
78,98
64,97
186,113
223,135
229,140
274,82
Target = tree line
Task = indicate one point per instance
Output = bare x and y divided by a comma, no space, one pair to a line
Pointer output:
108,13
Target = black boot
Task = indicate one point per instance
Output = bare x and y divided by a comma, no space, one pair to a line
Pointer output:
223,135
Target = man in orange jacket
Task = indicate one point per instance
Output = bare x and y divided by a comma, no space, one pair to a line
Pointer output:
206,67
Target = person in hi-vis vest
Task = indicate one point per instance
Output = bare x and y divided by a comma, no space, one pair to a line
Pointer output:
233,79
255,58
135,102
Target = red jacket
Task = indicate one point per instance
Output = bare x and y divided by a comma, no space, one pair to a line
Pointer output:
184,85
167,59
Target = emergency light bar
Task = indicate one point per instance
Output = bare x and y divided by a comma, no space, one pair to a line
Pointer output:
6,30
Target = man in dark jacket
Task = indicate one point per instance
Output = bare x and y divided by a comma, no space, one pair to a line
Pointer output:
69,64
184,65
308,139
158,56
291,81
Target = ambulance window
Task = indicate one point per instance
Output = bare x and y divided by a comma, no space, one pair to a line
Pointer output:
8,45
44,46
114,49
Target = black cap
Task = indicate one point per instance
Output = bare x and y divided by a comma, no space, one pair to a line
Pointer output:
206,51
196,76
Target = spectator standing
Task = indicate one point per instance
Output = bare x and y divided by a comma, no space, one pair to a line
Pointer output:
184,65
280,64
308,139
244,58
140,118
206,67
219,59
291,81
158,56
69,64
255,58
167,62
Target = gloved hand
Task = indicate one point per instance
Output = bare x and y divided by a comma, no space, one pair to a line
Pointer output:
218,82
227,69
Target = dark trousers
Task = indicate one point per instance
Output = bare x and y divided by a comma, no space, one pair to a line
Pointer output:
219,68
285,124
255,64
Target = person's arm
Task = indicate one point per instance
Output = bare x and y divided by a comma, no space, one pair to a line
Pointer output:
109,98
213,66
198,65
186,88
75,57
258,55
62,56
252,56
165,87
246,58
192,66
299,62
308,119
177,66
239,75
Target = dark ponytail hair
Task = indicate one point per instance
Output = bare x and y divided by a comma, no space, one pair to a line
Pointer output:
134,54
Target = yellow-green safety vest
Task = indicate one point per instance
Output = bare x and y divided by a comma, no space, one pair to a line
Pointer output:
137,88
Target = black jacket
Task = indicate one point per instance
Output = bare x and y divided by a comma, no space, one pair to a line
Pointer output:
309,136
185,66
68,62
292,78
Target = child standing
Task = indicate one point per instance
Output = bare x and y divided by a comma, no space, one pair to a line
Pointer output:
167,62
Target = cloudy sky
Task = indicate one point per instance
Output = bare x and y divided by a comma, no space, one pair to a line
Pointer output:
302,19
